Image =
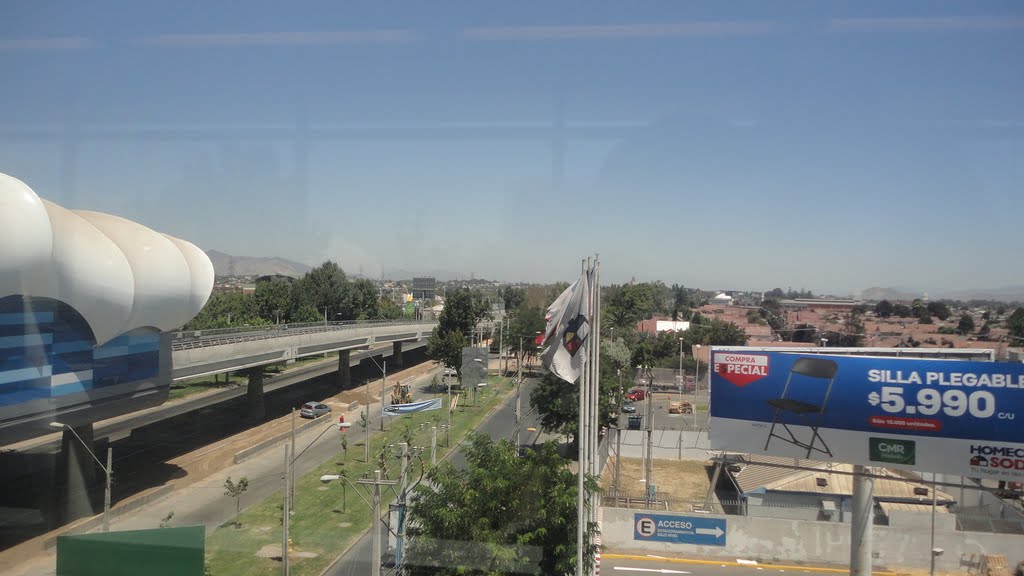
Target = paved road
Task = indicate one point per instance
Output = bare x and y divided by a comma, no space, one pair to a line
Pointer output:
501,424
638,566
203,502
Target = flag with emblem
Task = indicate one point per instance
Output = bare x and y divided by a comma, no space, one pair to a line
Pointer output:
568,325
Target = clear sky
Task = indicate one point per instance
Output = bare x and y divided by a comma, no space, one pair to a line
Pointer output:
823,145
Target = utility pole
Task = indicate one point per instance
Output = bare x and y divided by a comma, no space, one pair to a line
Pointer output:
284,515
400,537
649,464
383,391
501,346
366,446
618,443
433,446
376,527
291,473
519,392
106,491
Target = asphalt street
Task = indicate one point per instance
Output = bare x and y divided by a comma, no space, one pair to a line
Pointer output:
501,424
642,565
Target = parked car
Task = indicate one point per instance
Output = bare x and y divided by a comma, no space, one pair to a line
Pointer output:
628,407
314,410
637,395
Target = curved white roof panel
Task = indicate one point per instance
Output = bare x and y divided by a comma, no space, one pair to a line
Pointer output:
119,275
26,240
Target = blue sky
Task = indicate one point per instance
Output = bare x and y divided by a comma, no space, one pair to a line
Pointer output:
746,145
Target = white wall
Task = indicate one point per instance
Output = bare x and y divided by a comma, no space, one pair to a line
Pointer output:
792,541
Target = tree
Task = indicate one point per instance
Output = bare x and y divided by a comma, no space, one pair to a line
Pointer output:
361,301
884,309
463,309
389,310
325,288
446,348
771,310
966,324
525,326
227,309
1015,325
513,297
939,309
344,446
235,490
500,506
902,311
273,300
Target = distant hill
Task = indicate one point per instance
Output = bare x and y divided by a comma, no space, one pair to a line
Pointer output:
228,265
1007,294
891,294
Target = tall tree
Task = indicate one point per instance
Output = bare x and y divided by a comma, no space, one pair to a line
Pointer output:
326,287
939,309
225,310
273,300
513,297
361,301
1015,325
500,508
463,309
883,309
966,324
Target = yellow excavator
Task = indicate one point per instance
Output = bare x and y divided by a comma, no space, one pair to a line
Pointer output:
400,394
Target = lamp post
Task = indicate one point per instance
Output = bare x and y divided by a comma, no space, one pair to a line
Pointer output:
519,389
681,372
108,470
696,384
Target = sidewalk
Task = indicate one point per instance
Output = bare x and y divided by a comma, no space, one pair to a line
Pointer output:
197,497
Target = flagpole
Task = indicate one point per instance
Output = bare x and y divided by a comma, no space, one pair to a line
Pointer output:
581,513
587,456
596,383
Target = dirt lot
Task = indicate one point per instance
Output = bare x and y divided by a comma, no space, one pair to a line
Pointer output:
674,479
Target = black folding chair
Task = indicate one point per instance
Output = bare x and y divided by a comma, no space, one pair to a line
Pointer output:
821,369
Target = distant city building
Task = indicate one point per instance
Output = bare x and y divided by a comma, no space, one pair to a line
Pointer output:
655,325
822,304
424,288
722,299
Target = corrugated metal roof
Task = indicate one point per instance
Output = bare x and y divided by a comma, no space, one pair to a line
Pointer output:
888,507
837,479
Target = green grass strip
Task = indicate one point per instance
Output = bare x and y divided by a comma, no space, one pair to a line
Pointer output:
321,527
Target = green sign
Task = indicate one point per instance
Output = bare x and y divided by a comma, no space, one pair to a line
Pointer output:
892,451
158,552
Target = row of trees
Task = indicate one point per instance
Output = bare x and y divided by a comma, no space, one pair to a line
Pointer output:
324,292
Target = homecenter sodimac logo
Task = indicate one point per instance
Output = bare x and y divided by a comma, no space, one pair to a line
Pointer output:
996,457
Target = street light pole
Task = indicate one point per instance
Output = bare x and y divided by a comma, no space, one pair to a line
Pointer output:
108,470
681,372
696,384
519,391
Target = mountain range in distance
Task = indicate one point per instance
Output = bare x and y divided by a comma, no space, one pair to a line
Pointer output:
1005,294
227,265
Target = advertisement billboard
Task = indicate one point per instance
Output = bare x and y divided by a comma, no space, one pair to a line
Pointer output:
931,415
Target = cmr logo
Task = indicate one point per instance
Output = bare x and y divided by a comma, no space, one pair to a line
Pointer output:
892,451
741,369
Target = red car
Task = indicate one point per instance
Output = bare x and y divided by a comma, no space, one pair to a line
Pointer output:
637,395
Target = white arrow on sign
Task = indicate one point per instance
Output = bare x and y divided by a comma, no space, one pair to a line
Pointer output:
716,531
655,570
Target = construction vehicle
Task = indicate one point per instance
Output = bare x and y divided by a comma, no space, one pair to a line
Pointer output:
400,394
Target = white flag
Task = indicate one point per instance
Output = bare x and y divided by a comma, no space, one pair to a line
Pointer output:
567,330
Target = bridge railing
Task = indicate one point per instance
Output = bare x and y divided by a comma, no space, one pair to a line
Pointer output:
188,339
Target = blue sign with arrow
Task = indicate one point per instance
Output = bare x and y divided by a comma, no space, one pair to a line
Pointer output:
697,530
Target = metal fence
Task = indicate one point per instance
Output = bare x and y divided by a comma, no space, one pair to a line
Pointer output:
186,340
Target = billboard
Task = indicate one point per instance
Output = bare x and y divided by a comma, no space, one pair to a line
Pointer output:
932,415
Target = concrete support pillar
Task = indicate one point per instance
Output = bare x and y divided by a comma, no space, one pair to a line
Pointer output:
257,409
862,522
396,354
344,369
77,474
